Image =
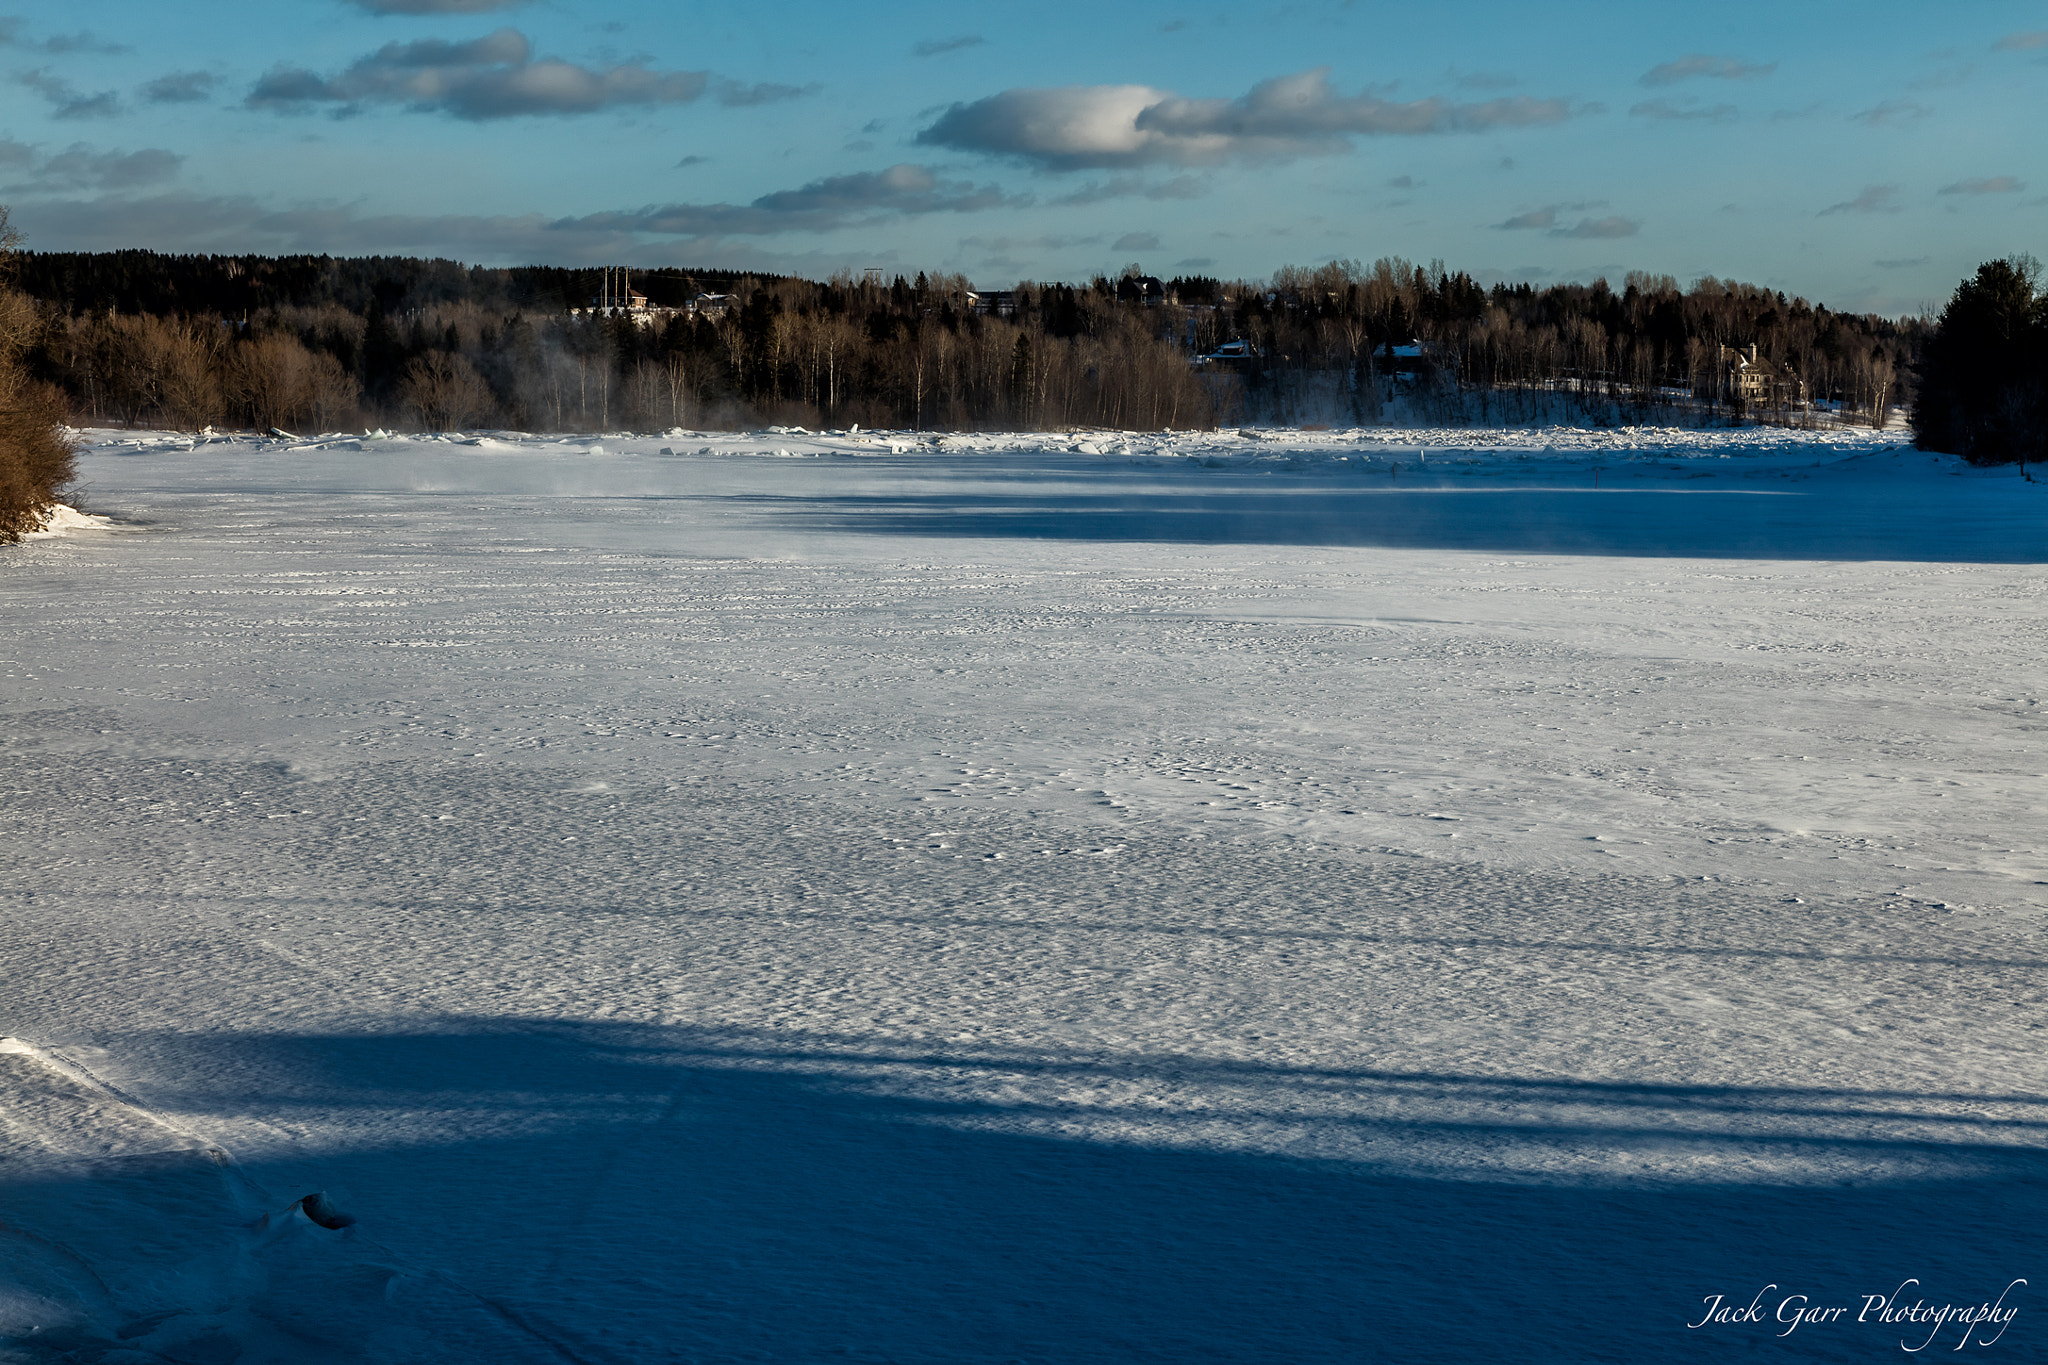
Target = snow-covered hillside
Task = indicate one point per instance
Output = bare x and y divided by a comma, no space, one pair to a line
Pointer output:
1305,896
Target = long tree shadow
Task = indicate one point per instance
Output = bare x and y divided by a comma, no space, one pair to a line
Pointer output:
598,1191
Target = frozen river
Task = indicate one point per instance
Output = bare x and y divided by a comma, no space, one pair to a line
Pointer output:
1292,897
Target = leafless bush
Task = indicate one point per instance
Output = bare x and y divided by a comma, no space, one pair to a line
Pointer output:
446,391
36,459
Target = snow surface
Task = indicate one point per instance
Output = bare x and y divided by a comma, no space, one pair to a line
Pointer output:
1266,896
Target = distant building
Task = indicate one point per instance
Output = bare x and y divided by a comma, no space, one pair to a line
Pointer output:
619,300
712,306
1229,355
1000,302
1406,359
1147,290
1747,380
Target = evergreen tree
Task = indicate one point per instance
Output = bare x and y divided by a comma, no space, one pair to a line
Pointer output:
383,353
1984,371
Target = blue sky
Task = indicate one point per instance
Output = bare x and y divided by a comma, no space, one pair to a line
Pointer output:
1864,155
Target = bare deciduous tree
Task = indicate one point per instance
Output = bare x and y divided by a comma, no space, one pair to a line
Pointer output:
446,391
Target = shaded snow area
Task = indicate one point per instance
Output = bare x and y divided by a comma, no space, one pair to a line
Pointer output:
1263,896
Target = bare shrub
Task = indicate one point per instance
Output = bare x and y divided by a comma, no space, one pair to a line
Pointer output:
337,395
271,380
446,391
36,458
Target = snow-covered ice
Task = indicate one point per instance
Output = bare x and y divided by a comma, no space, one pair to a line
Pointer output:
1305,896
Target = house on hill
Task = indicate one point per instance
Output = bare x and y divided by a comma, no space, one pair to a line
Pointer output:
1147,290
1000,302
1230,355
1747,380
619,299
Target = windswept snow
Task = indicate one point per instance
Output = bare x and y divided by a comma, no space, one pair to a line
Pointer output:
1308,896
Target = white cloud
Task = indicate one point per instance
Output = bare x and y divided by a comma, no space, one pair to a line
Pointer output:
1076,127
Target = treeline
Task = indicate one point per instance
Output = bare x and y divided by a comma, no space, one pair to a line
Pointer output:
240,286
1515,353
907,354
319,342
1984,371
36,461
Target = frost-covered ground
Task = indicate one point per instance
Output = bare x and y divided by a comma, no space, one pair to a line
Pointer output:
1271,896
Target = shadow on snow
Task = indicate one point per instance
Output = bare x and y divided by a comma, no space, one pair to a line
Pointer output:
610,1192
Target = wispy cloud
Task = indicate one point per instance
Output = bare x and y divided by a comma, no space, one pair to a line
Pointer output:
1946,78
495,76
932,47
1892,112
1550,220
59,44
1665,109
1015,255
234,223
1135,187
1901,262
736,95
1077,127
1136,241
1600,228
67,103
1705,66
1874,199
435,6
1996,184
677,233
832,202
179,87
2022,42
81,166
